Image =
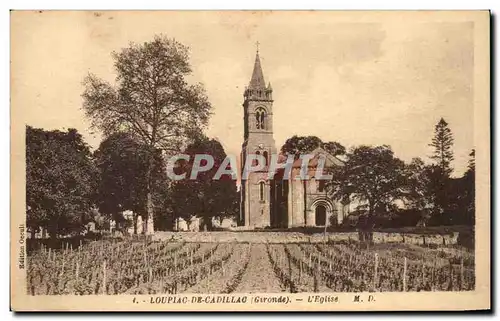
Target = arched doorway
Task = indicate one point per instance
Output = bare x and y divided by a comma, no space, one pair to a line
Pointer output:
320,215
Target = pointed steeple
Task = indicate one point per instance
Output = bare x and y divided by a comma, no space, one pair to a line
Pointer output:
257,81
257,89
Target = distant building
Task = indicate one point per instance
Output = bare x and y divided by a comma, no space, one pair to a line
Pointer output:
225,223
182,225
128,224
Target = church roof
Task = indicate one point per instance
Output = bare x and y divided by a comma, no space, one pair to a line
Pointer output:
330,159
257,81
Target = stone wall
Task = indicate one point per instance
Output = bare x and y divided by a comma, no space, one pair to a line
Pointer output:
418,239
297,237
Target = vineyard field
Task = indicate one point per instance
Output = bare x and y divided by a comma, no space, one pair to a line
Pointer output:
137,267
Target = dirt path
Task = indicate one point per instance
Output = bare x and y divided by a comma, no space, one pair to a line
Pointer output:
259,276
218,282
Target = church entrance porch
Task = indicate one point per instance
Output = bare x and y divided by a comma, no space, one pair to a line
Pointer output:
320,211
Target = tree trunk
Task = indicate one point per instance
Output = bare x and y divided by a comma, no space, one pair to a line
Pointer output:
371,212
208,223
53,234
150,229
369,227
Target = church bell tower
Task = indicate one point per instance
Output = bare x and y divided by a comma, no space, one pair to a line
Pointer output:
258,139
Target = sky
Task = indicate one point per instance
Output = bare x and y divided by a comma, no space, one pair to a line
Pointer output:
351,78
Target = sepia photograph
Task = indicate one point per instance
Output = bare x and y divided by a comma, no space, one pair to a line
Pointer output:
250,160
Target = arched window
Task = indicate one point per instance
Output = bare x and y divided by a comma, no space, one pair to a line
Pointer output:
261,190
256,161
260,117
266,160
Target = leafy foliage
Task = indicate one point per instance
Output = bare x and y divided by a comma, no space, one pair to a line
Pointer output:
297,145
334,148
122,164
205,197
371,175
60,180
428,189
461,197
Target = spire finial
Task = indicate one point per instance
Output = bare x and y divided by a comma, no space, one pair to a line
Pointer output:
257,45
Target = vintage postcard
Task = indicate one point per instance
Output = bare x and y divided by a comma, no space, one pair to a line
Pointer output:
250,161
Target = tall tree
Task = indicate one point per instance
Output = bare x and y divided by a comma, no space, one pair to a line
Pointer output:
60,181
418,180
471,166
297,145
334,148
442,142
371,175
469,191
425,185
205,197
151,100
455,197
122,164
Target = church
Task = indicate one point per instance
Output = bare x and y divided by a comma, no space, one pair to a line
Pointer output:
280,202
